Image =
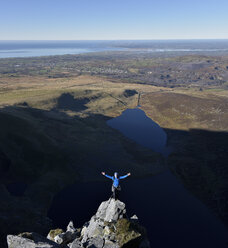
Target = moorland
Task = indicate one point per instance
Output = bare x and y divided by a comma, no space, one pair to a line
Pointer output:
53,113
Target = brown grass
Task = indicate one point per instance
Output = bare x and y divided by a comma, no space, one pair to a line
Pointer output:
184,111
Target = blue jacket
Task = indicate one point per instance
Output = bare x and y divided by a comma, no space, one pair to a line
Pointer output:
116,181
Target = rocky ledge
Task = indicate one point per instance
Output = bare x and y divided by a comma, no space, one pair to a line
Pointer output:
108,228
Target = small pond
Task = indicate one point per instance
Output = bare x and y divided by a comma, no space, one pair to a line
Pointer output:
136,125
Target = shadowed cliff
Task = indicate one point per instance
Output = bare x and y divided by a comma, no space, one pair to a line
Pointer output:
108,228
43,151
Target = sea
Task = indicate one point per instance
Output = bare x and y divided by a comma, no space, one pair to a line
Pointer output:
11,49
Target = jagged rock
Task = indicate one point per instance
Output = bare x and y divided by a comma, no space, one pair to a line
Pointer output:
127,231
97,242
134,217
109,224
54,232
76,244
108,228
111,210
70,227
107,231
68,236
64,238
110,244
95,228
30,240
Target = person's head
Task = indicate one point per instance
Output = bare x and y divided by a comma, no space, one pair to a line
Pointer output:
115,174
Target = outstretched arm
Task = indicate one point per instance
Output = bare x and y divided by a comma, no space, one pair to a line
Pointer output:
122,177
103,173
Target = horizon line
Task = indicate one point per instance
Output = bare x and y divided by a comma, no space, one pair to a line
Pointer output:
171,39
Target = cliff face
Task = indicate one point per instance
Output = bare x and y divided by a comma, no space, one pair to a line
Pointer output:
108,228
43,151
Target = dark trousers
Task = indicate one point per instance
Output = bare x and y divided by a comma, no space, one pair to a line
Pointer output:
115,191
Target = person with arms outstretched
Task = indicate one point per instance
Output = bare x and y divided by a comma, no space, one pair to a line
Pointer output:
116,182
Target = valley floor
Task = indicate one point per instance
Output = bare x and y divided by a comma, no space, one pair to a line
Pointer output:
53,131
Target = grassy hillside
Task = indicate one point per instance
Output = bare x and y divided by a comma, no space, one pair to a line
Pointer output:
53,114
197,127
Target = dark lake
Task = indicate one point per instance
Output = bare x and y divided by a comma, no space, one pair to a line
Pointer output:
135,124
172,216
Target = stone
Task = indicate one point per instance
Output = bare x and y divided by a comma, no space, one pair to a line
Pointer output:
108,228
94,229
134,217
97,242
54,232
70,227
65,238
107,231
128,232
84,230
76,244
68,236
110,225
30,240
111,210
110,244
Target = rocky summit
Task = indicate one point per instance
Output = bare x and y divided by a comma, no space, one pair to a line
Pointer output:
108,228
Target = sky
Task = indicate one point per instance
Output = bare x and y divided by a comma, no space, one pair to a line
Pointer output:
113,19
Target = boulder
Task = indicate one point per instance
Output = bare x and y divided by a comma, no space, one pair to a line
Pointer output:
70,227
66,237
30,240
97,242
76,244
128,232
108,228
134,217
108,212
111,210
92,229
53,233
110,244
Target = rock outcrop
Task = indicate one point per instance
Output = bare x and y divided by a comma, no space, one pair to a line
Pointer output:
108,228
30,240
